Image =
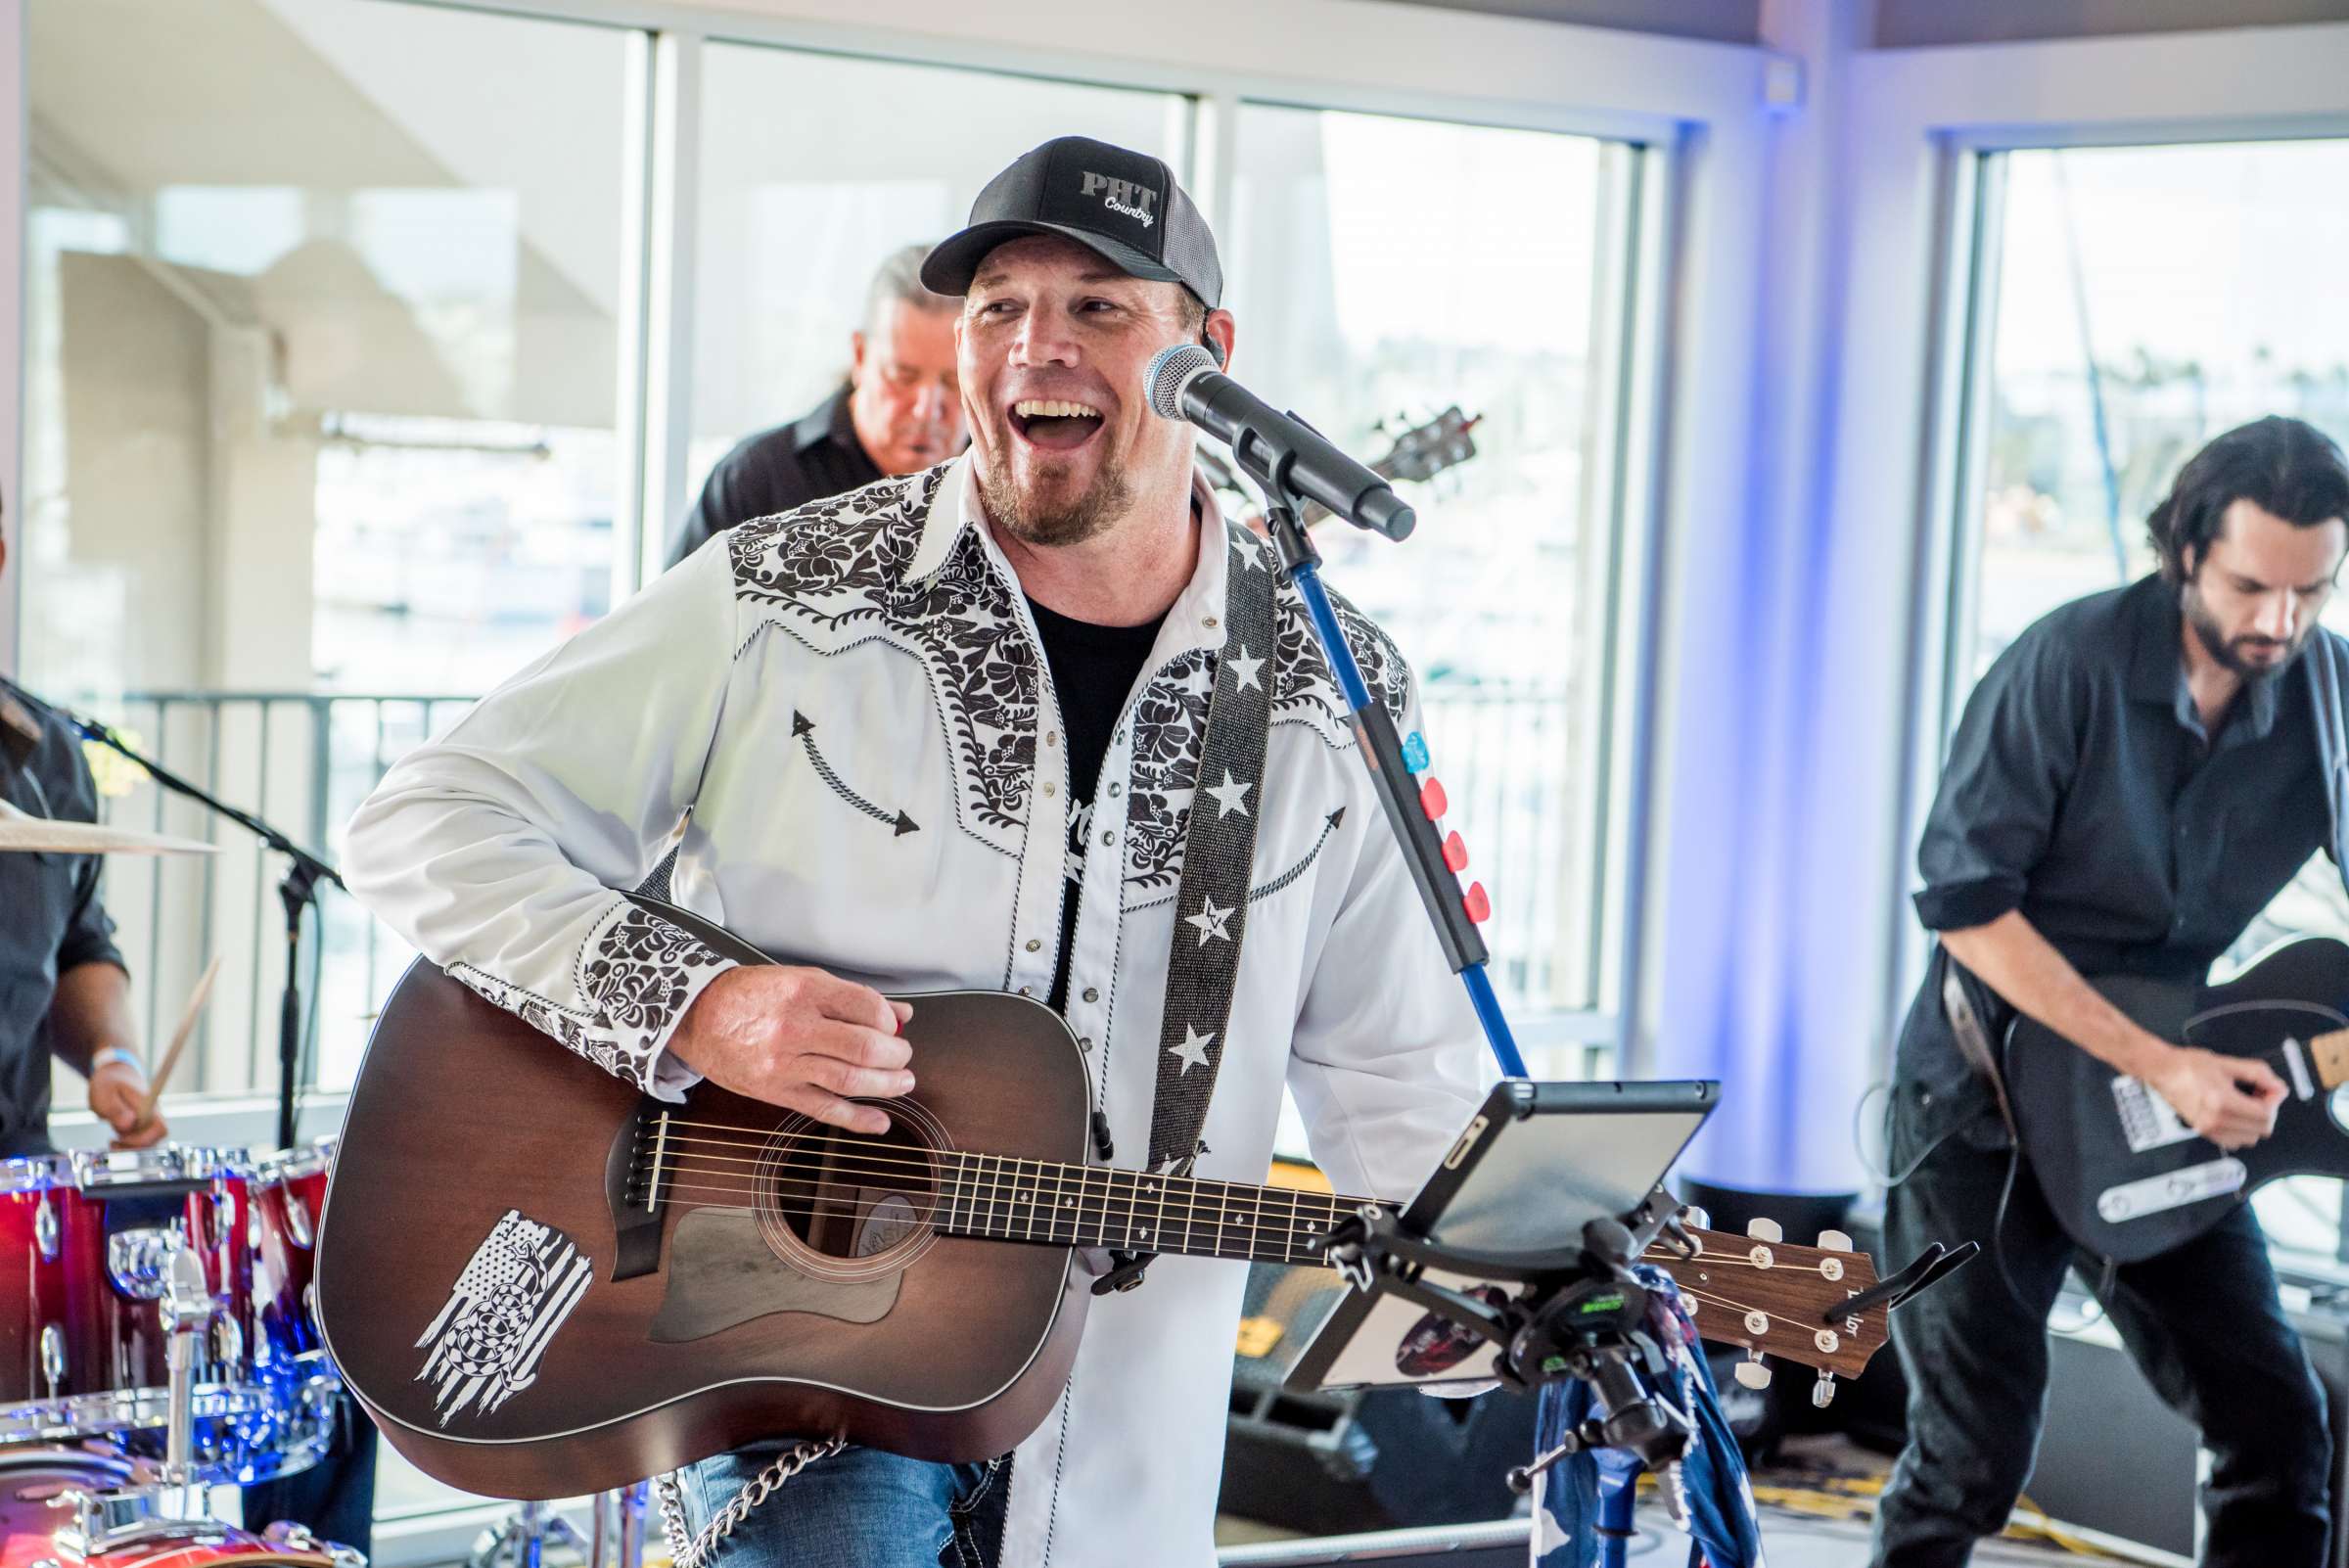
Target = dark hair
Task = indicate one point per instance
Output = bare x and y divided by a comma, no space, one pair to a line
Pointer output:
2284,466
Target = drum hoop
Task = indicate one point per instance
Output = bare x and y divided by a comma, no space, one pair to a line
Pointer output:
146,1168
36,1173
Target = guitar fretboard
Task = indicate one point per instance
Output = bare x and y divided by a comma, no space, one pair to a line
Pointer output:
1009,1199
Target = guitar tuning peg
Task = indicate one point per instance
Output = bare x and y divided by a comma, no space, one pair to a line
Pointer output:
1694,1217
1835,1241
1823,1392
1753,1372
1764,1230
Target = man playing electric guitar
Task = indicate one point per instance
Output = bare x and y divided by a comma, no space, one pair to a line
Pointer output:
2132,781
946,732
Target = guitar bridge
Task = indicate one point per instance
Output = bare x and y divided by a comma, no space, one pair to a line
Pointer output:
2148,1121
632,1189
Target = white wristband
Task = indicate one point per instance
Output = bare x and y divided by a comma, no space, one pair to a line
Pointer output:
120,1053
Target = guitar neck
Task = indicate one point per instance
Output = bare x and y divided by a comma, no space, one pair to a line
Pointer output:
1766,1294
1005,1199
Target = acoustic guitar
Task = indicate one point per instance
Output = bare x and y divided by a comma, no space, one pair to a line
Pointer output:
540,1283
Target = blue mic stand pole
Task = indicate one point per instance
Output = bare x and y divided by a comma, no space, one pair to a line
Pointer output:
1394,761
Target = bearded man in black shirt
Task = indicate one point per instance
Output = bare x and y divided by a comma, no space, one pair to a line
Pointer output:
2132,781
898,412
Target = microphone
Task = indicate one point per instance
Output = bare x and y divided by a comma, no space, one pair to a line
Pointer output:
1184,384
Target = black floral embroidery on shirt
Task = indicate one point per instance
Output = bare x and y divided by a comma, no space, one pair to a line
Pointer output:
839,563
570,1030
640,971
835,560
1306,679
1170,729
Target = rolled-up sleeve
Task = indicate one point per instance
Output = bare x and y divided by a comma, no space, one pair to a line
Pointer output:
89,937
2010,764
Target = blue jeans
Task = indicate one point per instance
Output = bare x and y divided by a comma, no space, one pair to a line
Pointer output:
858,1509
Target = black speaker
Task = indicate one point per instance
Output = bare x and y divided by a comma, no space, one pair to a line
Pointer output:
1366,1460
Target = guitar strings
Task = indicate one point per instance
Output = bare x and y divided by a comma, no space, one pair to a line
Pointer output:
1291,1251
763,1139
1062,1173
1008,1209
1257,1247
1053,1184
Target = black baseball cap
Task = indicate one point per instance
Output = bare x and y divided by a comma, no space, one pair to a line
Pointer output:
1124,206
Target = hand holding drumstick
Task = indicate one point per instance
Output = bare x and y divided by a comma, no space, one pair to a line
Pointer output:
123,1096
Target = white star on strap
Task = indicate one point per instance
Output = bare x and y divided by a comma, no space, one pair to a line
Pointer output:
1193,1049
1229,797
1244,670
1210,920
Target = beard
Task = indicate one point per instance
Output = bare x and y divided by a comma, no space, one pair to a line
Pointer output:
2234,653
1108,498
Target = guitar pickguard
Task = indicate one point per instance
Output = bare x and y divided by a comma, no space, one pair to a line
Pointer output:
721,1273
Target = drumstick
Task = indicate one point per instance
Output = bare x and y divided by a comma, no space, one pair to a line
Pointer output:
179,1038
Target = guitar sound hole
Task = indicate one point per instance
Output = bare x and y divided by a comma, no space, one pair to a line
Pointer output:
850,1198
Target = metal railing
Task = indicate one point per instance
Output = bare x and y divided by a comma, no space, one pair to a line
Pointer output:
305,760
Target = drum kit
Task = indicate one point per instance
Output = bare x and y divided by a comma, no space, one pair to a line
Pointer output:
157,1340
157,1337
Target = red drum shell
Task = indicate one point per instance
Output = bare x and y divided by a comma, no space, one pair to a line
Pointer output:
34,1482
64,1308
289,1194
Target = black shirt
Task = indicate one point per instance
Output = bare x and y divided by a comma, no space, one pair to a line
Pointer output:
1093,669
51,919
2083,790
778,469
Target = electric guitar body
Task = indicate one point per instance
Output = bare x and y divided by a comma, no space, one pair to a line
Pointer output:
2124,1178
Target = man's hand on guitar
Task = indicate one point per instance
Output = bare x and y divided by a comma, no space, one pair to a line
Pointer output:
800,1038
2230,1100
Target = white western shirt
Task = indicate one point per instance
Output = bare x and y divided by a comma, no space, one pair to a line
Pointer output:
797,693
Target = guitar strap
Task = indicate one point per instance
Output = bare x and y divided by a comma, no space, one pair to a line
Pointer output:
1219,849
1973,1040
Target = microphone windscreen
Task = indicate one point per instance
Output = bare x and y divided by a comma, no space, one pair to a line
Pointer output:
1168,371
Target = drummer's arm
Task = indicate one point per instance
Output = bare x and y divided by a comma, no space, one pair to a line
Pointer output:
90,1017
91,1011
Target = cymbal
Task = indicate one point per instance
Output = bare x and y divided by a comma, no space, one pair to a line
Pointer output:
21,831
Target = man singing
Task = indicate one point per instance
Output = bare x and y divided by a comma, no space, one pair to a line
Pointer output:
898,413
2133,780
945,731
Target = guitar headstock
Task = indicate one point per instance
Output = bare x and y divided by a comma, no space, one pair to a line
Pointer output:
1780,1298
1422,451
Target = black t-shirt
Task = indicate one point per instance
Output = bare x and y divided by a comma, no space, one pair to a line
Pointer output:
779,470
1093,671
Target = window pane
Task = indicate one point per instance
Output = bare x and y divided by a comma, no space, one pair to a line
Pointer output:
1384,271
814,168
321,369
2148,298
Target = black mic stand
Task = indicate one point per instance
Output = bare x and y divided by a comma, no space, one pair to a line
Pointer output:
296,890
